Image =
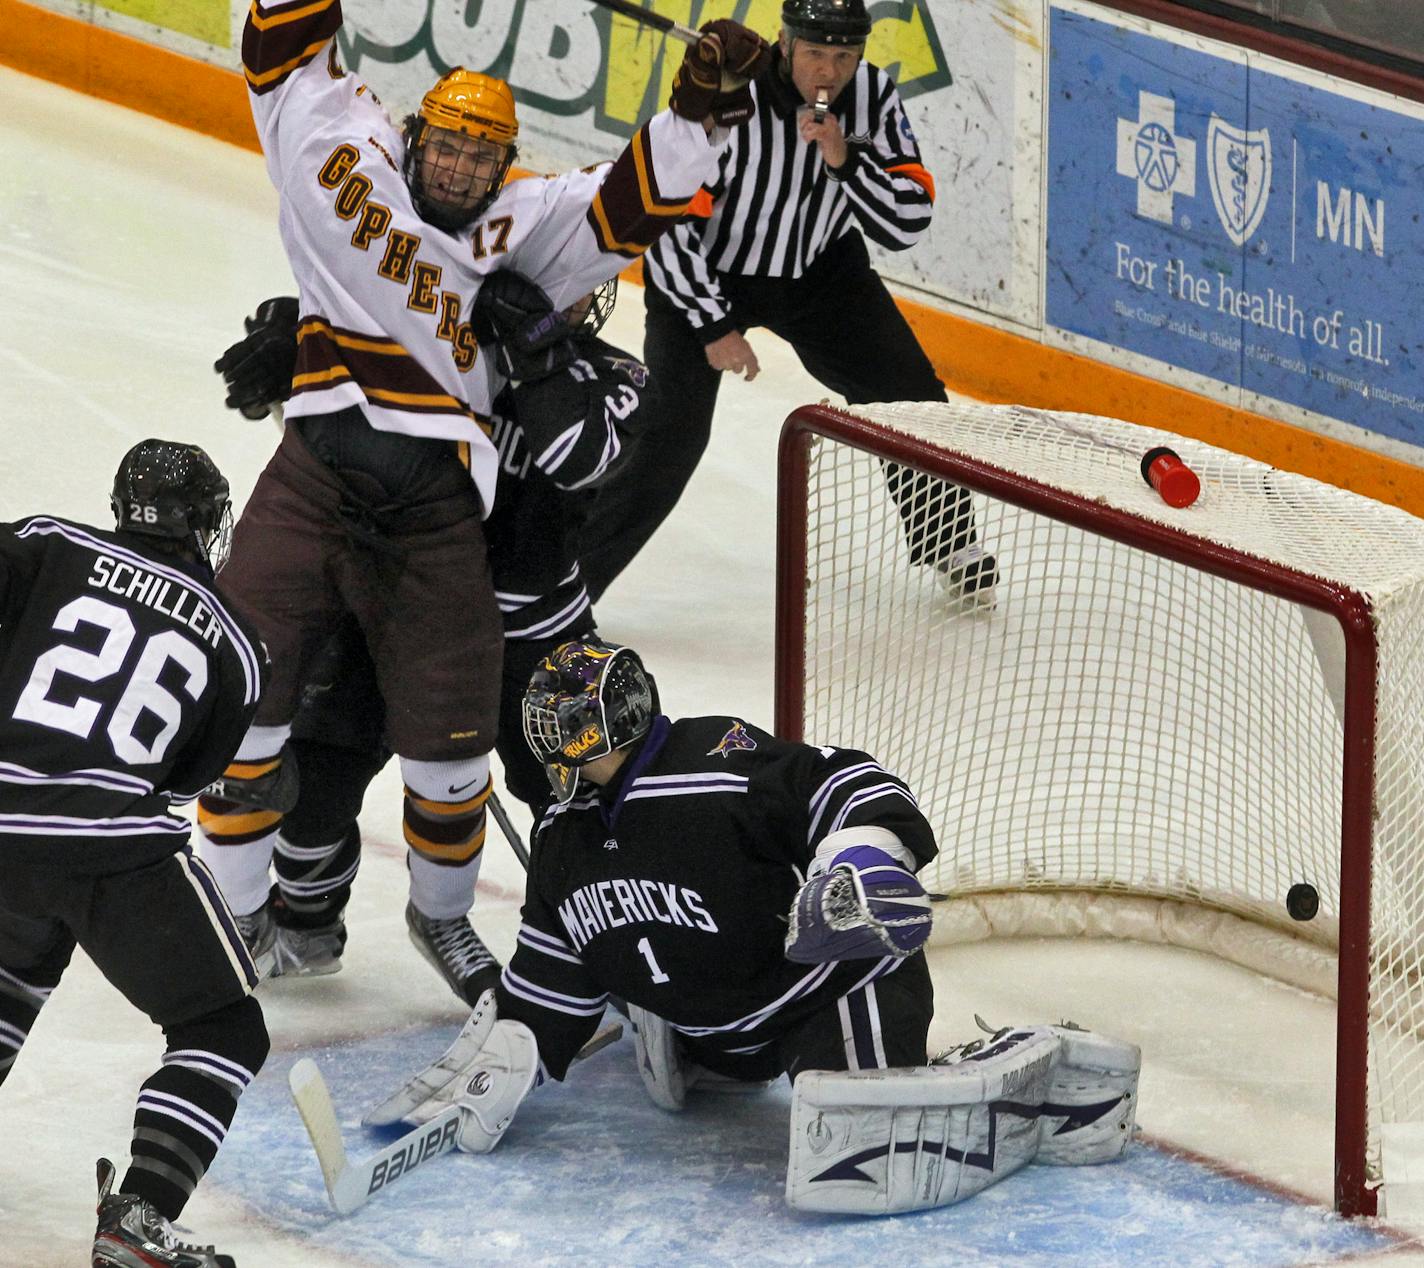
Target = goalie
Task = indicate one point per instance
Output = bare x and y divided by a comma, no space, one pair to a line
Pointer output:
755,904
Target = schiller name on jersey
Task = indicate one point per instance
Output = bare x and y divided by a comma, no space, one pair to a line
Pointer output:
674,895
165,595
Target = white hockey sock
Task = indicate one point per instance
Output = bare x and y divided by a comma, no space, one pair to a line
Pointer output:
441,892
241,871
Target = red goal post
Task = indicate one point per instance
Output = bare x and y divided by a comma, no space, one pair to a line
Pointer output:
1167,720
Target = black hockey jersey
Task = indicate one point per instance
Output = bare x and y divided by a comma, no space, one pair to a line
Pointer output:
124,683
556,439
672,890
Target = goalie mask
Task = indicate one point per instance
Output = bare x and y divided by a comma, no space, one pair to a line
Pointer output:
458,148
174,492
585,700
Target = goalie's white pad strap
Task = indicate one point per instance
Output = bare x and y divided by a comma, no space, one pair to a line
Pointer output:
879,1141
434,1088
844,838
660,1064
1090,1108
498,1082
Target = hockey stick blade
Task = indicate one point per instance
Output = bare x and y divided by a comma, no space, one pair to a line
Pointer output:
349,1185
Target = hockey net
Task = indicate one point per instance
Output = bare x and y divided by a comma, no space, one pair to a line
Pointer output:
1168,719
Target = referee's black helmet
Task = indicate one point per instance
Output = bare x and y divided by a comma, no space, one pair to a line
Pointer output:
826,21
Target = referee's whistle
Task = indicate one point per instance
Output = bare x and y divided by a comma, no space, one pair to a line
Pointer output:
823,103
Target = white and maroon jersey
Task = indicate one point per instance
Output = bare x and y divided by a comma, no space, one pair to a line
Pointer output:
385,296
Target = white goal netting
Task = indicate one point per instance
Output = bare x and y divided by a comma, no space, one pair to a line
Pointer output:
1146,735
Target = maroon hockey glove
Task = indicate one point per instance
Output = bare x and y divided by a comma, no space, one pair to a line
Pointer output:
712,80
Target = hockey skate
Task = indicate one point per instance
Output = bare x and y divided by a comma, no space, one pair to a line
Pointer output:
131,1234
281,950
970,577
456,952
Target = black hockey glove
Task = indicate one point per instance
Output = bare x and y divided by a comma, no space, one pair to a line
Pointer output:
258,370
529,336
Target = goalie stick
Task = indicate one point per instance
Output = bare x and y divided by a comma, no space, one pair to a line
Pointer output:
349,1185
506,825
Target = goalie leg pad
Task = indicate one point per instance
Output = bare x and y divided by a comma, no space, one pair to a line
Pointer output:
875,1142
660,1063
1090,1109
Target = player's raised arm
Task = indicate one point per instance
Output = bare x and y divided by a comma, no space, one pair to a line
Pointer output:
288,56
649,187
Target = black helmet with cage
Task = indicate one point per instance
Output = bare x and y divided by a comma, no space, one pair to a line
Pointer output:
174,494
585,700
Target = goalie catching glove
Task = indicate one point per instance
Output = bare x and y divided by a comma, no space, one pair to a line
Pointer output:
487,1072
860,901
258,369
712,80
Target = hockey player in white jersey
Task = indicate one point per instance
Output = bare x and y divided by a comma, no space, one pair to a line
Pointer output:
372,504
755,904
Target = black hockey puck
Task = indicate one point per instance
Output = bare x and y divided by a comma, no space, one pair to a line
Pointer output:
1302,901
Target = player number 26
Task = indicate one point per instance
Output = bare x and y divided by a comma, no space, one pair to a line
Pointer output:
141,692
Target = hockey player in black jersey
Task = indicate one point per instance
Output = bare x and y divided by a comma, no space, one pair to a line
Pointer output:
558,425
754,902
125,685
697,935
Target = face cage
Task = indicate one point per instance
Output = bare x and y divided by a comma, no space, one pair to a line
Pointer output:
542,734
218,546
458,206
541,729
590,319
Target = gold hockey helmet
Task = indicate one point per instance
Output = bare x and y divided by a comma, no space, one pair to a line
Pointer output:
473,104
459,147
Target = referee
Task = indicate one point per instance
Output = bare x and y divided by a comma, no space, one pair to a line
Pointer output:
827,157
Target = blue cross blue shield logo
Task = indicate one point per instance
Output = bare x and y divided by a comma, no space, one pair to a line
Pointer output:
1239,168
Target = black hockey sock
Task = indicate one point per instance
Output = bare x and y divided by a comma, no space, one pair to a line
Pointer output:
315,881
185,1109
21,998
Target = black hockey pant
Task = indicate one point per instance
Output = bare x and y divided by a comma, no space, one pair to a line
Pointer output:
162,935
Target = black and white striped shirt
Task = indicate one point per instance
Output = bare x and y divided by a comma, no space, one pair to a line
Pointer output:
776,206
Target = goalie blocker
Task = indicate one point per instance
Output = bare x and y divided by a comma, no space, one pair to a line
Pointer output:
876,1142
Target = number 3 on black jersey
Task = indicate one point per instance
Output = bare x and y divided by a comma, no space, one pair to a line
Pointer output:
141,693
